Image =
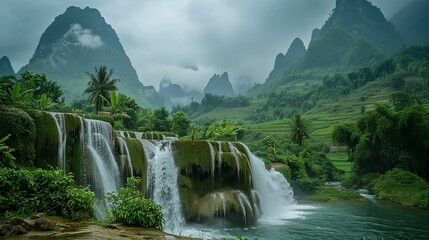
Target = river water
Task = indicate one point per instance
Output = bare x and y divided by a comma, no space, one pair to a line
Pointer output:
341,220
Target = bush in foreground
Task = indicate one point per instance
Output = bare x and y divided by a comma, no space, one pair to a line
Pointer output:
403,187
24,193
131,208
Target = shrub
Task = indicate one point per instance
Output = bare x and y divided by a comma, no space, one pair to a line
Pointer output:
79,204
23,133
131,208
24,193
309,184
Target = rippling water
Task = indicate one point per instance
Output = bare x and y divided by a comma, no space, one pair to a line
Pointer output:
342,220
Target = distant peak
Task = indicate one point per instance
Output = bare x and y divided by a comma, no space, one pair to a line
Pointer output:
6,67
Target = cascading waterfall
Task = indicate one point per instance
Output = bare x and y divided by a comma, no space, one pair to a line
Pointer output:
274,190
234,152
99,143
62,138
212,158
123,148
165,187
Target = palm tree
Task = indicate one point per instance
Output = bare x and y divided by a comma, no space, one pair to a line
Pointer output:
99,86
299,130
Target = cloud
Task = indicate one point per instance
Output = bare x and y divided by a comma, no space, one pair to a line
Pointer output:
190,66
165,38
83,37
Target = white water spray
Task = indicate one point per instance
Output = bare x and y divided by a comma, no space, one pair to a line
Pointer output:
166,192
62,138
275,192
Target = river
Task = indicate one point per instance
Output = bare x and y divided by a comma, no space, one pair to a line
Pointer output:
340,220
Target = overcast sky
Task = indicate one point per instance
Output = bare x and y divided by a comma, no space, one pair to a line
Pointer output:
186,41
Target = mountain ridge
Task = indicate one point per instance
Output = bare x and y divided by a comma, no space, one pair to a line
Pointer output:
6,68
84,32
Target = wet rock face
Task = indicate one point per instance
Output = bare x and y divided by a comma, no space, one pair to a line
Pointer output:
15,226
215,182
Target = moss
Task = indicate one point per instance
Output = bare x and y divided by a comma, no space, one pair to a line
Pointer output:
188,153
104,118
285,171
200,185
138,160
46,144
229,204
18,123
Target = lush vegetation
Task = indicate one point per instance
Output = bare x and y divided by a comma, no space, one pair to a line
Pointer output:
384,139
130,207
402,187
100,85
24,193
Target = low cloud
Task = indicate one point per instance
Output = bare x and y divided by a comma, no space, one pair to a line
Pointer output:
83,37
190,66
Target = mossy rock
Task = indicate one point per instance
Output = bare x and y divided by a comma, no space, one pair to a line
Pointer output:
47,137
203,176
138,160
234,206
23,134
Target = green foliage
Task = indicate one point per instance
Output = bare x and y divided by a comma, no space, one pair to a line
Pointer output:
160,120
6,159
393,139
402,187
131,208
99,86
39,85
346,135
224,132
299,131
402,100
22,129
79,205
180,123
53,192
309,184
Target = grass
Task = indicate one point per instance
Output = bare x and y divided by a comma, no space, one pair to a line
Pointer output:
330,194
340,161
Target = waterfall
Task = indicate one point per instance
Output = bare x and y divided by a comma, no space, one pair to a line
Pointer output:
99,142
62,138
123,148
149,150
234,152
212,156
165,187
274,190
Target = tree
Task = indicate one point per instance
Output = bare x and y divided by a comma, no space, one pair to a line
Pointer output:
180,123
299,130
160,120
346,134
39,85
99,86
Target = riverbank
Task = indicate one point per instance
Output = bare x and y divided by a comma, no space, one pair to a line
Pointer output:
63,228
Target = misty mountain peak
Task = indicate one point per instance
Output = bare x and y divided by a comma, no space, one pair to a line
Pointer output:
294,54
361,19
5,67
76,42
219,85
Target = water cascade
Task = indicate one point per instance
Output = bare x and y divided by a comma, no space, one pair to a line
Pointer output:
165,186
125,153
199,181
62,138
274,190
